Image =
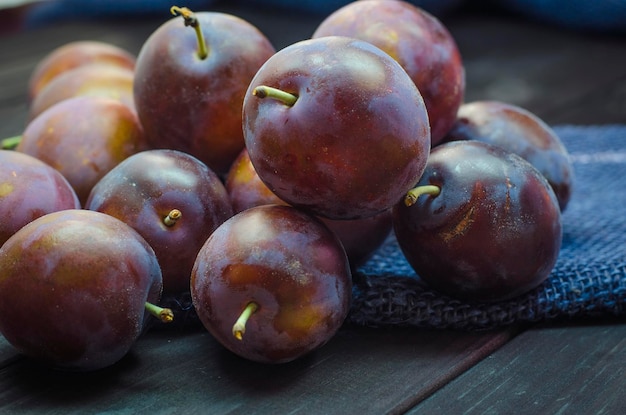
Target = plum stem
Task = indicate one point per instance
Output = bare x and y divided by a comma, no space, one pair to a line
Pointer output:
264,91
413,194
172,217
166,315
10,143
191,20
239,328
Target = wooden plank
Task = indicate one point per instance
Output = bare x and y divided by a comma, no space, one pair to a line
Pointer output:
564,369
361,370
604,105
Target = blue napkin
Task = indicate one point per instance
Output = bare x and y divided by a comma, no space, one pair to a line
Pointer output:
597,15
589,278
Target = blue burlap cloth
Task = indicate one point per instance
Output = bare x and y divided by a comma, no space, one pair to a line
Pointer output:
589,278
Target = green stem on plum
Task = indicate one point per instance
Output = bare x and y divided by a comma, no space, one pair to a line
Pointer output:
416,192
239,328
191,20
10,143
286,98
172,217
166,315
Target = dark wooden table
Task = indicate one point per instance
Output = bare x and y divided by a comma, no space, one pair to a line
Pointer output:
571,367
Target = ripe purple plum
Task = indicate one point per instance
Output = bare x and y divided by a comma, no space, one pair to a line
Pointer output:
517,130
77,289
30,188
418,41
189,85
172,199
272,284
336,127
482,224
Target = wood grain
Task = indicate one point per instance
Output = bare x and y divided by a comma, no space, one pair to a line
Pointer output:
367,371
560,369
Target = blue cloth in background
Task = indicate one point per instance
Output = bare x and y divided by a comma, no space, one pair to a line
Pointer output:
325,7
59,10
596,15
588,15
589,278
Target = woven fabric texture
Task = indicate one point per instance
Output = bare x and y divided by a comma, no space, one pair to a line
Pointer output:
589,278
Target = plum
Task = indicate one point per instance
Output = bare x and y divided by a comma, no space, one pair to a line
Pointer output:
74,54
335,126
272,284
189,87
30,188
482,224
245,188
84,137
76,287
418,41
172,199
517,130
86,80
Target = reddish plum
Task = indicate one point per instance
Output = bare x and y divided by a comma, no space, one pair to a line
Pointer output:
86,80
30,188
272,284
418,41
335,126
172,199
75,289
487,229
74,54
189,87
84,138
517,130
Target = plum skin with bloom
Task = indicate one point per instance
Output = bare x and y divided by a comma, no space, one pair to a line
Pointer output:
357,137
289,264
492,233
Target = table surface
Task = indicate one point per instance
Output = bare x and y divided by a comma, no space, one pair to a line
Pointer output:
565,367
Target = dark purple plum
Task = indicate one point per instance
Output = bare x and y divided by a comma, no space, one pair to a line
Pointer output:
488,226
75,289
189,90
30,188
335,126
360,237
272,284
172,199
519,131
418,41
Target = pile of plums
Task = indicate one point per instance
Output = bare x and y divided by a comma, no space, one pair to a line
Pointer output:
257,181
